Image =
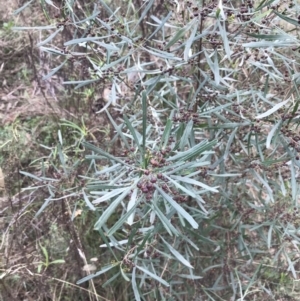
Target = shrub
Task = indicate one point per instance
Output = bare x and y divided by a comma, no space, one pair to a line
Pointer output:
197,196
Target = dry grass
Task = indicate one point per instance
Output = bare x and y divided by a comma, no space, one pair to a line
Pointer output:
29,110
24,98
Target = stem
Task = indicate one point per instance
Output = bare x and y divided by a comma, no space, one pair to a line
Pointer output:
199,77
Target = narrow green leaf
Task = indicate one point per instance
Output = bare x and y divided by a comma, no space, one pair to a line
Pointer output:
266,88
105,154
84,40
296,106
155,277
179,34
34,27
225,175
161,23
114,243
271,133
216,68
134,285
107,244
122,220
265,184
224,37
229,142
276,43
51,3
165,221
27,174
130,205
96,186
187,50
272,110
162,54
182,167
182,188
81,83
50,38
102,271
269,240
285,18
193,152
123,274
87,20
271,37
108,9
166,134
111,209
185,135
60,137
144,106
263,4
291,265
45,204
209,60
178,208
293,182
194,182
62,159
22,7
177,255
87,201
111,280
113,94
44,250
143,14
51,73
118,129
133,133
108,169
57,261
192,277
215,109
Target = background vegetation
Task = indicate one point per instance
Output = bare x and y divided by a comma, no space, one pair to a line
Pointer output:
149,150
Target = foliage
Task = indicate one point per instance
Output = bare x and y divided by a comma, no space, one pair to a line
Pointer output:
198,196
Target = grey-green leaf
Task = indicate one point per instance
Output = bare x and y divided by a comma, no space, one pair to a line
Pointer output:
178,208
111,208
177,254
102,271
155,277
